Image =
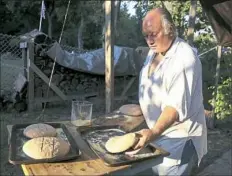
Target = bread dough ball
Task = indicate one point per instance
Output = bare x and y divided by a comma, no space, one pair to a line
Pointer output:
46,148
39,130
131,110
119,144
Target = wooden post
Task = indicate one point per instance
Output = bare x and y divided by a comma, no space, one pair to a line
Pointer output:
109,55
219,55
41,75
192,17
116,16
24,56
30,75
23,46
127,87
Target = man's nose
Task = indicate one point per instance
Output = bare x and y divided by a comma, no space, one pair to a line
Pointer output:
150,40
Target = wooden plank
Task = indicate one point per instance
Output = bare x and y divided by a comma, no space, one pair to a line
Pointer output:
89,163
192,17
30,76
127,87
217,77
109,55
24,57
46,80
68,97
88,167
82,166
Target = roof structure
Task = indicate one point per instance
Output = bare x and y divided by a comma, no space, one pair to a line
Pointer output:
219,13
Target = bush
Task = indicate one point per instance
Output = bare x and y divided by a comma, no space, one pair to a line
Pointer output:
223,107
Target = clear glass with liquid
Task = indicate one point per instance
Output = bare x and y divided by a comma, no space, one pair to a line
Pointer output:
81,114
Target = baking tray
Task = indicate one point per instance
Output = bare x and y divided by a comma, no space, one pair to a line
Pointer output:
17,140
96,138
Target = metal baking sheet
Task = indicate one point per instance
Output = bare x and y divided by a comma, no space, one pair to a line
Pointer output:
17,140
96,138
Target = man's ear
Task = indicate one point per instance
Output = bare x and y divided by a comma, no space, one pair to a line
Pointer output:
168,29
171,31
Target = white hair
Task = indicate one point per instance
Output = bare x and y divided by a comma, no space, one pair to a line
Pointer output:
167,23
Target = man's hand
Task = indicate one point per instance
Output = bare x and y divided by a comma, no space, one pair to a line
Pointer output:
145,137
168,117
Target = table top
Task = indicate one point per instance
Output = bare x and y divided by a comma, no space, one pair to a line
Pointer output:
88,163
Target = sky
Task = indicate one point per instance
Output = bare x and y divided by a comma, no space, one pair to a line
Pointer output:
130,5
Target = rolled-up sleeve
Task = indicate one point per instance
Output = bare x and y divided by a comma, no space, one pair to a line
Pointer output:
180,86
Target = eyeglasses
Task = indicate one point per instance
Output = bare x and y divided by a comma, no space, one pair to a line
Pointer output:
152,35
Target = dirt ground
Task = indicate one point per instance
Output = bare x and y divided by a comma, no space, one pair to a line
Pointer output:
219,139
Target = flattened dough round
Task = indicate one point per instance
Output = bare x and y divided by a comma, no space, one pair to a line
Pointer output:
46,148
119,144
39,130
131,110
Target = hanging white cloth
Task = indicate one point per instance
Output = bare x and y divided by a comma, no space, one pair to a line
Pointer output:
42,14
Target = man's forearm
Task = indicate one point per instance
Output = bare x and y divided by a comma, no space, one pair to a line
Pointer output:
168,117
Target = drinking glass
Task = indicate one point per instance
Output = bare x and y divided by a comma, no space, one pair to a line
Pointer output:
81,113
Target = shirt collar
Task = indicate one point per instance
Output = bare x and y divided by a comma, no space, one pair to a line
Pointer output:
173,48
167,55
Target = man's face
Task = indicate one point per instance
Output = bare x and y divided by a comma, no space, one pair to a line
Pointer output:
155,36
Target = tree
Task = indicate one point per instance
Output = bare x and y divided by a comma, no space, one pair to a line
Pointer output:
128,31
117,16
50,13
7,24
192,17
81,14
24,16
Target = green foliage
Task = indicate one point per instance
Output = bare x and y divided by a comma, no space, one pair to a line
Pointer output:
19,16
223,106
22,16
92,13
129,35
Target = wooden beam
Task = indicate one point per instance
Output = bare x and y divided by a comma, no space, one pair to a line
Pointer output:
192,17
30,76
69,97
46,80
24,57
109,55
217,76
128,86
23,46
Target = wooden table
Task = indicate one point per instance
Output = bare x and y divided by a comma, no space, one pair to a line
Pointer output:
88,163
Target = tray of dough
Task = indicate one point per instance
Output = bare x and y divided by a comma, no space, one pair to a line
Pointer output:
41,143
96,137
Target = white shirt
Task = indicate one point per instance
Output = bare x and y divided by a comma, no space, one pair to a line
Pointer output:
175,82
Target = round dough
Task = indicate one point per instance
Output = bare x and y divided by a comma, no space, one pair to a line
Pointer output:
131,110
119,144
46,148
39,130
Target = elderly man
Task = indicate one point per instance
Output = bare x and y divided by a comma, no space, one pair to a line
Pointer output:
170,96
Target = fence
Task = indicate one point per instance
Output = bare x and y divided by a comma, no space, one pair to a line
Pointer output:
11,61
